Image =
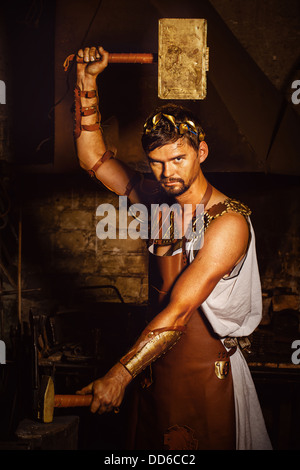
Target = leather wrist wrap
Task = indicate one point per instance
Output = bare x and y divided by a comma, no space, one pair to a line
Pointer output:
151,346
79,111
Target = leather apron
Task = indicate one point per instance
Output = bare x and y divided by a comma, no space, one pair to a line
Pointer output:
185,399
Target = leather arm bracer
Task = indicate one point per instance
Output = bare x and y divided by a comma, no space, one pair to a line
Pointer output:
80,111
150,346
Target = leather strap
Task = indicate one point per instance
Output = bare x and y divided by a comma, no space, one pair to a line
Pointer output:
205,199
86,111
231,351
106,156
91,127
88,94
77,113
207,195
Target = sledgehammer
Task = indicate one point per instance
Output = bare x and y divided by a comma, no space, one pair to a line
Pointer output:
183,58
47,400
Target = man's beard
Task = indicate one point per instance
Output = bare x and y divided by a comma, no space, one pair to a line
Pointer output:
177,190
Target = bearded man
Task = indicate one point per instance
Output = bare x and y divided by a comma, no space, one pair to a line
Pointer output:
193,388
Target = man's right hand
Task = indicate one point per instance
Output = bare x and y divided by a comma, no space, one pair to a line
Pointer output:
95,60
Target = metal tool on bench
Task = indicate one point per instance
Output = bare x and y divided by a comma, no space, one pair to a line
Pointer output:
183,58
47,400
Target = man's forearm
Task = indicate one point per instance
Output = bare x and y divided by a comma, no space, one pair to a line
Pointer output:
161,334
90,145
150,346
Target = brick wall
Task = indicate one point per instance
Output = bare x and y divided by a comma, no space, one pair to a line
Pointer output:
61,251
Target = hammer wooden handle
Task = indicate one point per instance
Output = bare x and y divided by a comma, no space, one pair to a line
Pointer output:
70,401
126,58
130,58
118,58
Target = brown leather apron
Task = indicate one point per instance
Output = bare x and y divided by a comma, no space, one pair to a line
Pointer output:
190,402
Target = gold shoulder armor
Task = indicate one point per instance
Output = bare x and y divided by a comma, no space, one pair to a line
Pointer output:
222,208
237,206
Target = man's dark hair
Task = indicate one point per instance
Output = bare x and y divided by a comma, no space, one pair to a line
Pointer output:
169,123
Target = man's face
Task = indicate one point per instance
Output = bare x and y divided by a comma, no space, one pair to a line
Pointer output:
176,166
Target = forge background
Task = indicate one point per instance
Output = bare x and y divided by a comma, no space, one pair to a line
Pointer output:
54,268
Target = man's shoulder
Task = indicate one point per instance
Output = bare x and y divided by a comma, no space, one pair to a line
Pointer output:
227,206
230,214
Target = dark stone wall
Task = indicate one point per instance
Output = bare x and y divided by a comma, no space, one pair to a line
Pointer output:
60,250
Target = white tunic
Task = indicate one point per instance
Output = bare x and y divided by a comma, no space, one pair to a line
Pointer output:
234,308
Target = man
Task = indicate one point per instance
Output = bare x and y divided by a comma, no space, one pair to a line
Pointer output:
197,392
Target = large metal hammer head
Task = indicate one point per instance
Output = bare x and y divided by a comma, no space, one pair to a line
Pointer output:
48,400
182,58
45,405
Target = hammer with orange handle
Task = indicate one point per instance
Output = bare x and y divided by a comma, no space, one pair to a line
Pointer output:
48,401
182,58
117,58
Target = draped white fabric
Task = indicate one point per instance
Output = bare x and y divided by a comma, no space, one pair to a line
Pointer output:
234,308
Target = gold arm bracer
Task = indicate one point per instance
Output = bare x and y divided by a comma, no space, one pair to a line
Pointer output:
152,344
